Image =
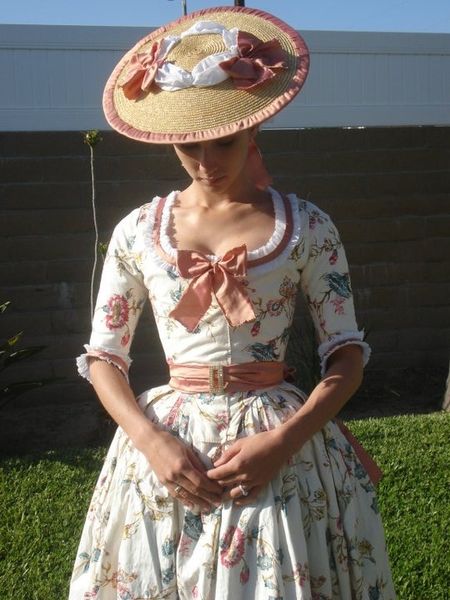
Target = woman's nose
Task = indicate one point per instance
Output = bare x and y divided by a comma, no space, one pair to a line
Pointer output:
207,159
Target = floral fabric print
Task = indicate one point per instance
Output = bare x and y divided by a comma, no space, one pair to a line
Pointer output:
315,531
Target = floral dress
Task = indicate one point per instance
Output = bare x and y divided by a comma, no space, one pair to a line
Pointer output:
315,531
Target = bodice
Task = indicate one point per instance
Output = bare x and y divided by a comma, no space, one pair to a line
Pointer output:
303,251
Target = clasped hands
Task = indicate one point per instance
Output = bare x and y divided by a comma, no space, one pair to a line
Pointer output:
240,473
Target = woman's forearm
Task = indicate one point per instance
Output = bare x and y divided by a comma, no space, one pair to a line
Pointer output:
342,379
118,399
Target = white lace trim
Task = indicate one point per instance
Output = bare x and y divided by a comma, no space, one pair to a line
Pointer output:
148,236
83,362
298,226
327,348
271,244
280,228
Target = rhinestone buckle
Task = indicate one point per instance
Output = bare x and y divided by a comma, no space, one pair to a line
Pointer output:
216,385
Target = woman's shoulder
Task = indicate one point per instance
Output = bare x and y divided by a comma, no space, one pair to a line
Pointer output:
308,208
310,216
139,217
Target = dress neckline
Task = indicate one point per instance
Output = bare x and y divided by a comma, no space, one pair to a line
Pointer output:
271,245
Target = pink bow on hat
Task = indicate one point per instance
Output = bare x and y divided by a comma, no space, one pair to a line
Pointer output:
220,278
257,61
142,72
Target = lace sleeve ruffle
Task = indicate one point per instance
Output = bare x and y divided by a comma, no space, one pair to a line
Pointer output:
121,363
347,338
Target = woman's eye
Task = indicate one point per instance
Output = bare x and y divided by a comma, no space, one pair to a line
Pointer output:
226,143
187,147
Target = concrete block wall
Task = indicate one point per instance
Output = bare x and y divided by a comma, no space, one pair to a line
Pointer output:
388,190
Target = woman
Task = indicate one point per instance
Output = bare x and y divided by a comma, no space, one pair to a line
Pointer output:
227,482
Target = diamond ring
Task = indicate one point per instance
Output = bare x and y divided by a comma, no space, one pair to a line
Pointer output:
177,490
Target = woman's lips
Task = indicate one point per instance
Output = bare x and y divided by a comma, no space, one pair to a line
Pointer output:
212,180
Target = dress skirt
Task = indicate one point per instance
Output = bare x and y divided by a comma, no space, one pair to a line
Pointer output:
314,532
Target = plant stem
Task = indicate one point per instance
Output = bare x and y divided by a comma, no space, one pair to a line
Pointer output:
94,216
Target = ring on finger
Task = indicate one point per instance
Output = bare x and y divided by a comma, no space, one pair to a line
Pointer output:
244,489
177,490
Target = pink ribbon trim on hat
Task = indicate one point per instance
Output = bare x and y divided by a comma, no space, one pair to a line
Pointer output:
142,72
257,61
220,278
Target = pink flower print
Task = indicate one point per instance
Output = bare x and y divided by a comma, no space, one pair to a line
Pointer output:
232,547
338,305
194,591
314,218
117,309
301,574
255,329
184,547
125,339
244,574
222,420
275,307
114,579
287,287
333,258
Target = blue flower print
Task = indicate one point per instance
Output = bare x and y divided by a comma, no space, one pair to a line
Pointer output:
339,283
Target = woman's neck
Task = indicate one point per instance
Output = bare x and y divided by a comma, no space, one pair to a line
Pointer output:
242,192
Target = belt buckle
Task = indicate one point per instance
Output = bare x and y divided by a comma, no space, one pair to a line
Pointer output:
215,379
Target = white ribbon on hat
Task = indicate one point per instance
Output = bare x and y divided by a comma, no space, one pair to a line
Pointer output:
170,77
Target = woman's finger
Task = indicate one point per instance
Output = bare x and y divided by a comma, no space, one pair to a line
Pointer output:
196,461
189,499
200,478
199,494
241,500
200,482
227,472
227,455
179,493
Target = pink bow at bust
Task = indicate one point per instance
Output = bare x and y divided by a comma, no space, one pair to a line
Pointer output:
220,278
257,61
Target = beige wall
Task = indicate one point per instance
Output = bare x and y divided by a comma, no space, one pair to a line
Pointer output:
388,190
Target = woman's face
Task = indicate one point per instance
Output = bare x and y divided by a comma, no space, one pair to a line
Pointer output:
216,164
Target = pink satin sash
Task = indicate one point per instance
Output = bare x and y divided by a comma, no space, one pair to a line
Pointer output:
249,376
227,378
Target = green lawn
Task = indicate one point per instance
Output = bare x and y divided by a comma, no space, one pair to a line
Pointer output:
43,501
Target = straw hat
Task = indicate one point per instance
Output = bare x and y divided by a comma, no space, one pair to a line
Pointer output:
209,74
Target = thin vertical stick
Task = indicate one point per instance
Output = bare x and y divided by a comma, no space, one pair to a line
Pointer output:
94,216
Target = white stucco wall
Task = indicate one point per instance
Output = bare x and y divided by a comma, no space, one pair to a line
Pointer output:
53,77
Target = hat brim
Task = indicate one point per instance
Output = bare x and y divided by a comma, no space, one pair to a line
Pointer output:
197,114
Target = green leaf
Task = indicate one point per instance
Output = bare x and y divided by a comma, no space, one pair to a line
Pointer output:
21,354
92,137
103,248
4,306
13,390
14,339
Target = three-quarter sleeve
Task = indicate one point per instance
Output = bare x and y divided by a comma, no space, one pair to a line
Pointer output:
325,282
120,299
